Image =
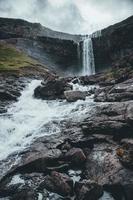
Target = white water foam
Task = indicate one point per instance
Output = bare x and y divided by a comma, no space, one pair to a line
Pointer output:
31,118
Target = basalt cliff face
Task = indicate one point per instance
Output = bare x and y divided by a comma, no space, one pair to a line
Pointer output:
54,49
114,43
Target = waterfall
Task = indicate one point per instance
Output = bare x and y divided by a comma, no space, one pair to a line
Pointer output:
88,57
30,118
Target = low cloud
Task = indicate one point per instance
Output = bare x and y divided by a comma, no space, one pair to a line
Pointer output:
73,16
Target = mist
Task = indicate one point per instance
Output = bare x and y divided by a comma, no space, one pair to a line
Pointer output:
71,16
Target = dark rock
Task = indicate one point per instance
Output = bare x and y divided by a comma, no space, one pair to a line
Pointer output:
25,194
6,96
72,96
58,183
37,162
88,190
128,191
115,42
76,156
103,166
53,89
119,92
112,118
125,154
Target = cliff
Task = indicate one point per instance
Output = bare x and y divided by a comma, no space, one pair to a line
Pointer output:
54,49
114,44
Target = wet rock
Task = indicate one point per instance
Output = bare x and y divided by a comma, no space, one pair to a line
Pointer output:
33,161
58,183
116,191
118,93
103,166
17,188
125,154
88,190
128,191
7,96
72,96
113,43
53,89
76,156
114,119
90,80
25,194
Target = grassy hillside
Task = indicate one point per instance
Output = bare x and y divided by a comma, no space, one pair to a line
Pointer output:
12,59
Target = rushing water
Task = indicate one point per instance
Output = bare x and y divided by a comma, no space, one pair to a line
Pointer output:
88,57
30,118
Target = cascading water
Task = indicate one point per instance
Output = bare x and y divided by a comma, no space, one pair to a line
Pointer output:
30,118
88,57
88,62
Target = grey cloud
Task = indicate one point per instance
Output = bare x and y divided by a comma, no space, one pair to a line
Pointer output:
68,16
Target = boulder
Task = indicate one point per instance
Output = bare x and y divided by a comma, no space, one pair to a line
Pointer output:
72,96
128,190
58,183
53,89
76,156
112,118
125,154
88,190
25,194
117,93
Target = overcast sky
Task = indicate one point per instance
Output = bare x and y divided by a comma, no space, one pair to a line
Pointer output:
73,16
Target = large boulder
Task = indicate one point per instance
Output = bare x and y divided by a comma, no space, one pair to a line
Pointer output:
58,183
112,118
88,190
125,153
53,89
72,96
76,156
117,93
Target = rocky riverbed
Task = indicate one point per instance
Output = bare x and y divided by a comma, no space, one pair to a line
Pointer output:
89,157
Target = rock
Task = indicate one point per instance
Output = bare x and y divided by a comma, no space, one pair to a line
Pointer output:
25,194
76,156
90,80
16,188
88,190
6,96
53,89
103,166
112,118
72,96
117,93
128,191
125,154
58,183
113,43
35,160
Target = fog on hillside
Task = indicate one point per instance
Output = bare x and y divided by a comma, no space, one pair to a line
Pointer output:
73,16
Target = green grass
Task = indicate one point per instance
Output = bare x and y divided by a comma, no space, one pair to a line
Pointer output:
13,59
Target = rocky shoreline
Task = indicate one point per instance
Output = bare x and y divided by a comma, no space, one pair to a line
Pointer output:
87,159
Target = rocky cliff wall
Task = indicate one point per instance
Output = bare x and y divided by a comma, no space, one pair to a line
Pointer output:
114,43
56,50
